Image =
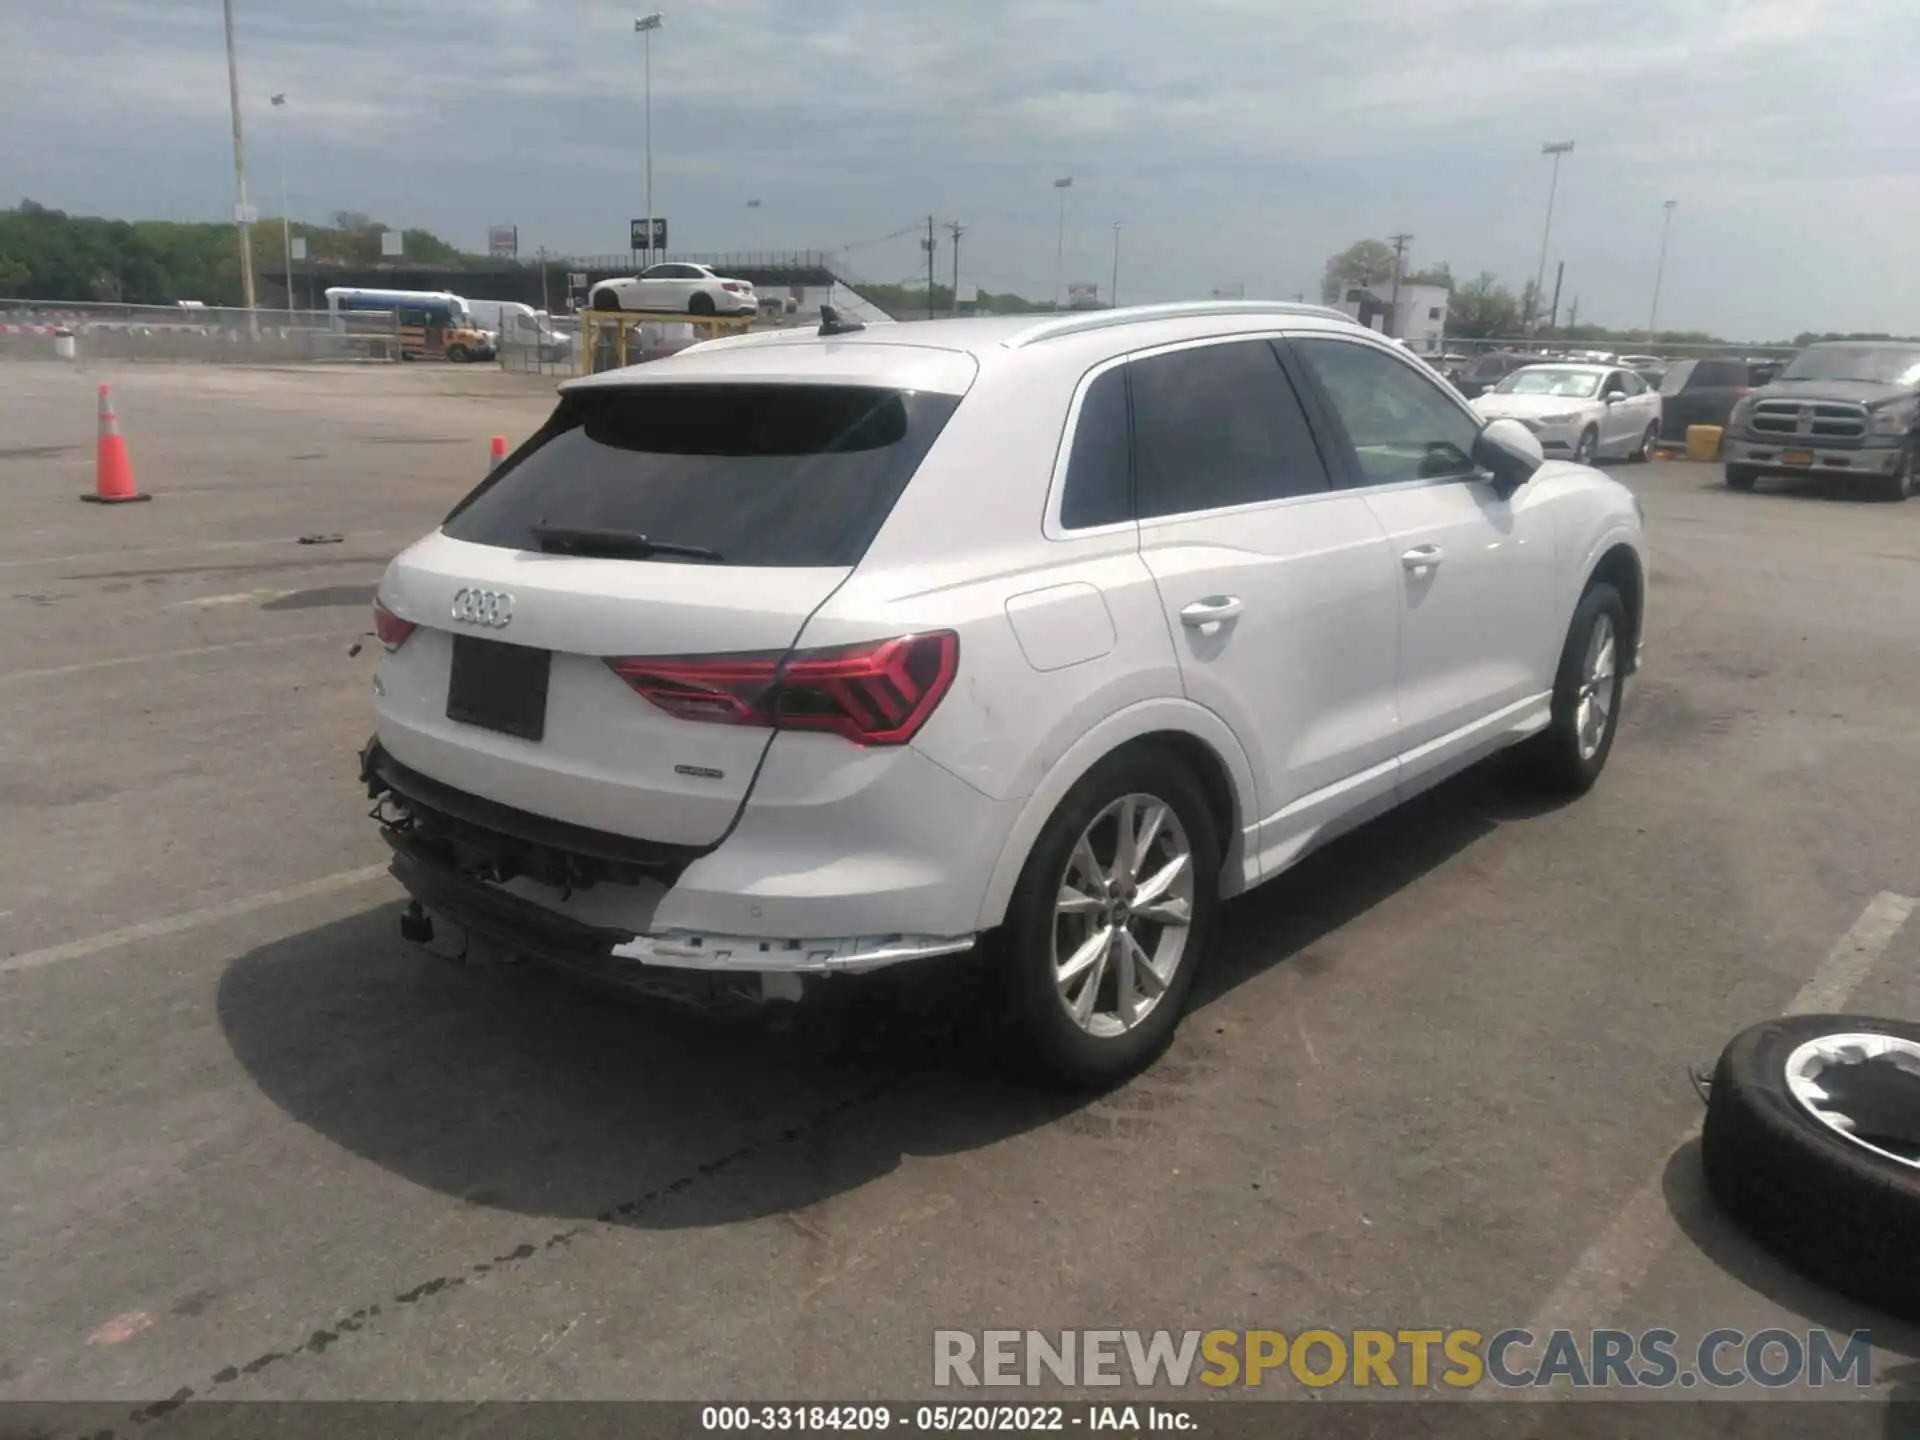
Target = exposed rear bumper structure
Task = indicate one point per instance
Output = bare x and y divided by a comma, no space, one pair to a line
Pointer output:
454,853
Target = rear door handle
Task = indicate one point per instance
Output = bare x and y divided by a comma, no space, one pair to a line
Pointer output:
1423,557
1210,611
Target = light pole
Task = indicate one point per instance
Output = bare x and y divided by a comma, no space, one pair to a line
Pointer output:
1660,269
242,212
286,226
1063,184
1113,290
645,25
1555,148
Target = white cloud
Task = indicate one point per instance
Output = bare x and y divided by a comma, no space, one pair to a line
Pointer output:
1237,139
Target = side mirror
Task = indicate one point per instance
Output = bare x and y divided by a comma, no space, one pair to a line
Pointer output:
1510,453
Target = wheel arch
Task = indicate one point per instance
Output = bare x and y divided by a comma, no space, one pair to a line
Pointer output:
1620,566
1198,737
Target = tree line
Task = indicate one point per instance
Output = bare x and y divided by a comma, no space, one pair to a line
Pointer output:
47,254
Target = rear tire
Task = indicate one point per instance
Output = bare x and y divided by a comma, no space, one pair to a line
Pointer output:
1741,477
1567,757
1101,1047
700,304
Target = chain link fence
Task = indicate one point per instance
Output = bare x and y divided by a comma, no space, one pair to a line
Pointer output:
35,329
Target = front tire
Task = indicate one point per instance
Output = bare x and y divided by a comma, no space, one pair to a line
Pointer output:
457,354
605,300
1567,757
1904,482
1587,446
1741,477
1110,921
1648,442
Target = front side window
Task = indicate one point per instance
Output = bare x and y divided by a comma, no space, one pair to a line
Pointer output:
1219,425
1399,422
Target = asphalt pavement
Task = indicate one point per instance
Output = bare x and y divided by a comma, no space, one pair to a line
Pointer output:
254,1145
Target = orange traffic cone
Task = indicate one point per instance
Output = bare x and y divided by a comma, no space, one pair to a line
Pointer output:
497,451
113,471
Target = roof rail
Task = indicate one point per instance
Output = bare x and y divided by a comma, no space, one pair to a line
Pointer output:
1183,310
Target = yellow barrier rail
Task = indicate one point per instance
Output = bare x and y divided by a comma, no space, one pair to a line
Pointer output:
607,336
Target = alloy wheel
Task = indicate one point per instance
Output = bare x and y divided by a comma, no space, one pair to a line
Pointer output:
1123,915
1598,688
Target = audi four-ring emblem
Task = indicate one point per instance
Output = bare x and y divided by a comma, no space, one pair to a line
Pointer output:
492,608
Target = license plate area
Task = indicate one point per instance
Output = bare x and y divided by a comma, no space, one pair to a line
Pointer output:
500,687
1796,457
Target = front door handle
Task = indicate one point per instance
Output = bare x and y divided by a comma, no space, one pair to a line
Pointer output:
1423,557
1210,611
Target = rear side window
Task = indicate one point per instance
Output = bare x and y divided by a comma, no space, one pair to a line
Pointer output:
1099,483
766,475
1219,425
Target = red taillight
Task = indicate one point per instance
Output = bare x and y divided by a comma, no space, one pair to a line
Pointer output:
389,628
878,693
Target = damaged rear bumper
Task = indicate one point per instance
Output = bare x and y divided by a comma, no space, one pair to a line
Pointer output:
454,854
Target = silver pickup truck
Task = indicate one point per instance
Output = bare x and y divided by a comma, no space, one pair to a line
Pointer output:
1848,408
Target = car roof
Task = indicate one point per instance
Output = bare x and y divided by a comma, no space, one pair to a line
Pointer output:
945,355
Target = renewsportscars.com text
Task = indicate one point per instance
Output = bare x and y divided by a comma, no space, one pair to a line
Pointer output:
1458,1358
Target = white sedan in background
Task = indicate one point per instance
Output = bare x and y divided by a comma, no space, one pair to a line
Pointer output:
678,287
1581,412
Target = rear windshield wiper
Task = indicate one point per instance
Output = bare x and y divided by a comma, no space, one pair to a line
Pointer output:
615,544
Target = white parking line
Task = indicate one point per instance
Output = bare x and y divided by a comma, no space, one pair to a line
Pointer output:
189,547
1613,1266
176,654
191,919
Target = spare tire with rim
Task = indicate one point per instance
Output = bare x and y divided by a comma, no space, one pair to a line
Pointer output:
1812,1146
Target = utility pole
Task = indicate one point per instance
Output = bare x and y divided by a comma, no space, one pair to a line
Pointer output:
1556,149
928,242
956,230
543,281
646,25
1553,317
286,226
1573,316
1399,255
1660,269
242,212
1113,290
1063,184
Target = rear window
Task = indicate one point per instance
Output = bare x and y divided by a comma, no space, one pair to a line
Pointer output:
1675,380
766,475
1718,374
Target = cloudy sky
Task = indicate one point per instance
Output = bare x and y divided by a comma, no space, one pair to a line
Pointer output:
1235,141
